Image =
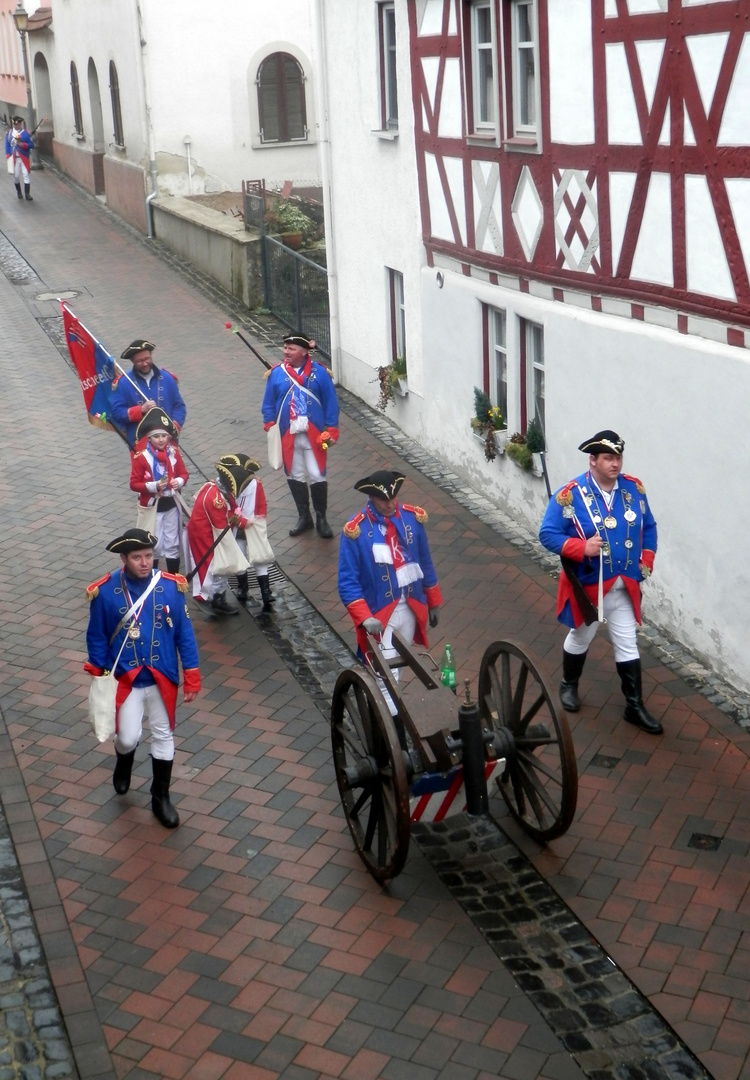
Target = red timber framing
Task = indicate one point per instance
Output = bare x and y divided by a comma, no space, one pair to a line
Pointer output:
676,92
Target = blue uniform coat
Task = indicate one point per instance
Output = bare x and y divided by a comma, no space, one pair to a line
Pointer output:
162,389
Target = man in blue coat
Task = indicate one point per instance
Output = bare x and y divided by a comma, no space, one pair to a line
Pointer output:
300,397
18,146
138,625
601,526
387,580
140,390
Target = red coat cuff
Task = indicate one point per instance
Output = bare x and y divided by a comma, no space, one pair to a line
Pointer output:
135,412
191,680
333,433
433,596
269,425
92,670
647,558
359,611
574,549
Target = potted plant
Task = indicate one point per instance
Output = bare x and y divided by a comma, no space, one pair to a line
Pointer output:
398,376
392,380
293,224
518,451
488,425
535,444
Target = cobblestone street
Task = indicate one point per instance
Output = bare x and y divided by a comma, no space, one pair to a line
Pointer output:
250,943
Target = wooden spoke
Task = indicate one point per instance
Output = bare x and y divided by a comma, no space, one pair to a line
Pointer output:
540,780
370,773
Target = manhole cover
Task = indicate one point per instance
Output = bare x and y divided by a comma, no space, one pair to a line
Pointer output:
604,761
69,295
704,842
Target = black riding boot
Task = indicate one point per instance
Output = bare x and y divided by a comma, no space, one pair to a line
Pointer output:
572,668
173,565
635,711
221,607
265,592
123,769
27,189
241,593
18,191
319,493
302,502
160,803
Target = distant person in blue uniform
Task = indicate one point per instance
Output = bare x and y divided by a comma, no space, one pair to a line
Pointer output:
18,146
148,609
601,526
386,579
143,388
300,397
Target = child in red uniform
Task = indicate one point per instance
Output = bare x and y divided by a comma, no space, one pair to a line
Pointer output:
158,472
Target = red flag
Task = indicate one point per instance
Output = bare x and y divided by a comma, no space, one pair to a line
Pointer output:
95,367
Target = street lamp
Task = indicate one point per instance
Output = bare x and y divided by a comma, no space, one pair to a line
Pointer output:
21,19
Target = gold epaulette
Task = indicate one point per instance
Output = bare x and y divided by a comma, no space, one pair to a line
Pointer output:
171,373
93,589
565,495
268,372
641,489
351,530
180,581
419,513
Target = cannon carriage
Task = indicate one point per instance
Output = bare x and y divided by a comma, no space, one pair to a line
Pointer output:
405,750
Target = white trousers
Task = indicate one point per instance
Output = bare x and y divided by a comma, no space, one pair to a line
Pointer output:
20,172
304,463
144,701
404,620
168,534
621,627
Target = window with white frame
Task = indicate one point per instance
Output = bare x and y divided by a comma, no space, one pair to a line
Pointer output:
397,314
498,361
533,350
482,64
388,82
524,68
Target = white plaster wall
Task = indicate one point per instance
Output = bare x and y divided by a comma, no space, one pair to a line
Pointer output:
679,403
375,203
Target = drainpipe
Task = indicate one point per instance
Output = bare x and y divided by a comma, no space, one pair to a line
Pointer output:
321,81
188,143
149,123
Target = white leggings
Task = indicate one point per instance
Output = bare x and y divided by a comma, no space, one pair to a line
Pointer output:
144,701
621,624
404,620
20,172
304,463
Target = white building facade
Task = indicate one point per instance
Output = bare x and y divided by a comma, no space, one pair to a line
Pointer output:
559,214
194,98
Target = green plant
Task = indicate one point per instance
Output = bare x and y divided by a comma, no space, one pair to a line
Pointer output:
482,406
287,217
535,436
387,394
519,452
399,368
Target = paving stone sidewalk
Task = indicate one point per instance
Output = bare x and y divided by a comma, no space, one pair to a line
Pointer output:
669,907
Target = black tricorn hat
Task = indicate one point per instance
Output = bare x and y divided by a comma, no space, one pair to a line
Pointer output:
18,120
604,442
155,420
241,461
233,478
382,484
139,345
302,340
132,540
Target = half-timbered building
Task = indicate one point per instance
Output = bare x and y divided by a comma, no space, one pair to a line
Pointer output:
550,200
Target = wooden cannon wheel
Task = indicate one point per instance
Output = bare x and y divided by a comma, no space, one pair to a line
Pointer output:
540,779
370,774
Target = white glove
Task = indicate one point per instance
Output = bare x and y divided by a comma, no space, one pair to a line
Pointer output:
373,625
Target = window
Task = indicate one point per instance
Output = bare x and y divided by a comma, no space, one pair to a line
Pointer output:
114,93
482,119
524,68
77,114
398,315
388,84
498,362
281,100
532,366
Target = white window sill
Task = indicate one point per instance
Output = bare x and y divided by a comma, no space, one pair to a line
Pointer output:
389,134
283,145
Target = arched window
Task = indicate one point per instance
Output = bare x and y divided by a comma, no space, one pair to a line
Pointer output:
77,114
114,93
281,99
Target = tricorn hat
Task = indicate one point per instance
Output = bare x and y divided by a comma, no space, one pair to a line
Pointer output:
382,484
604,442
18,120
132,540
302,340
242,461
233,478
155,420
139,345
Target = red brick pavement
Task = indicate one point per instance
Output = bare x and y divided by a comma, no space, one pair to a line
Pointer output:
181,971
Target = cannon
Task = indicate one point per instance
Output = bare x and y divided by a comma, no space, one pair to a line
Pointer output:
405,750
